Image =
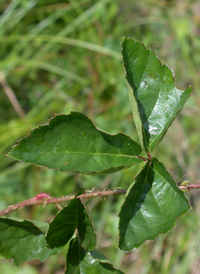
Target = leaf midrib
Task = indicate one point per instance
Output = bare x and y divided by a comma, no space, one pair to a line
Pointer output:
89,153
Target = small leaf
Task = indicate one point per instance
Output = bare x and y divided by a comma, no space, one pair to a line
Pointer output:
79,261
155,101
23,241
152,204
73,216
72,143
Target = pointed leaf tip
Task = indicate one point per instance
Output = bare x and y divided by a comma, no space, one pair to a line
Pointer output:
151,206
72,143
155,101
73,216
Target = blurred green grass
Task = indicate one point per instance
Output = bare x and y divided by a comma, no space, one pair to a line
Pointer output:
65,55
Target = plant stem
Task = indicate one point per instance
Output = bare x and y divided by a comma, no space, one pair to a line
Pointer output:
51,200
144,159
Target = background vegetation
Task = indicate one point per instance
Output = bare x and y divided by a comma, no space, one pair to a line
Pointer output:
65,55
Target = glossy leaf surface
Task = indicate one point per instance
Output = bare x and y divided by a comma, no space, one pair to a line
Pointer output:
73,216
23,241
72,143
151,206
80,261
155,101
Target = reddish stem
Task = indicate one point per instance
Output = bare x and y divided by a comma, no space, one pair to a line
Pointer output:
44,198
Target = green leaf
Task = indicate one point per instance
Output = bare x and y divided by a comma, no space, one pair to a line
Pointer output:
23,241
79,261
151,206
155,101
73,216
72,143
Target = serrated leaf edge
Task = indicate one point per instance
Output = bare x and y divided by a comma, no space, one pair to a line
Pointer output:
164,231
112,169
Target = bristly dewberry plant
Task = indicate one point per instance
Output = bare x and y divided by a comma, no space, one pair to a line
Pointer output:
72,143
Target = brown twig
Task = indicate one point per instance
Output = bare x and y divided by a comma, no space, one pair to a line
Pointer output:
11,96
45,199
